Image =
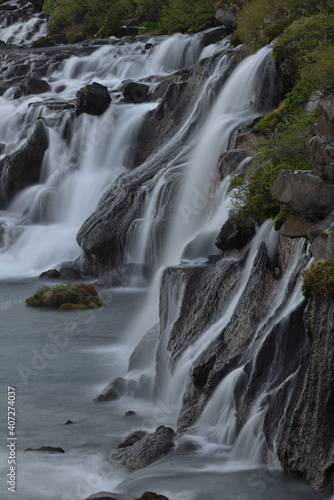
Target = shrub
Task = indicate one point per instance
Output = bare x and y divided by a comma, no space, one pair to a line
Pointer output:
319,279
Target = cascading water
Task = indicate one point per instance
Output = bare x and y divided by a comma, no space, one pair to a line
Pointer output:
61,363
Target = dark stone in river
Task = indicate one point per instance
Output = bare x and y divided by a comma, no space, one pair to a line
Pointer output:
50,274
234,235
105,495
31,85
132,439
93,99
47,449
135,92
150,495
147,450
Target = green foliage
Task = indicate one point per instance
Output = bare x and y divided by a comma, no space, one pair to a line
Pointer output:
150,10
279,220
282,148
182,15
235,182
319,279
66,296
297,47
150,28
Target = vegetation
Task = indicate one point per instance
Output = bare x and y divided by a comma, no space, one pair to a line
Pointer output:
281,148
66,296
319,279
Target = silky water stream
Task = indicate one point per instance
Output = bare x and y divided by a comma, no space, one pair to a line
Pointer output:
58,363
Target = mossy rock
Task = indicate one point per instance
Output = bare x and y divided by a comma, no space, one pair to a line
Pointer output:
270,121
319,279
279,220
66,297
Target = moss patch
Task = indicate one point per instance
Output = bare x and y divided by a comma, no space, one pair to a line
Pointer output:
66,297
319,279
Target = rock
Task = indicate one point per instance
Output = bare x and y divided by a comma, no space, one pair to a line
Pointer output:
135,92
130,413
303,195
233,235
142,354
69,422
105,495
93,99
66,297
133,438
69,273
150,495
225,17
305,446
47,449
117,388
148,449
50,274
321,236
320,140
124,276
232,162
295,228
22,168
32,85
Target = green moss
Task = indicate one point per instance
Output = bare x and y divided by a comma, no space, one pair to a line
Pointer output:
279,220
319,279
66,297
271,120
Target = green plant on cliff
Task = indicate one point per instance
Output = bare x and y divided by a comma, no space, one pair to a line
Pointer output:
319,279
280,149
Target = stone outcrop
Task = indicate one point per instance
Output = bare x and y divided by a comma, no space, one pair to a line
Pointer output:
306,445
22,168
135,92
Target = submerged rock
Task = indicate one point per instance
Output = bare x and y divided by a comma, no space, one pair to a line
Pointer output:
66,297
47,449
105,495
32,85
133,438
147,450
93,99
50,274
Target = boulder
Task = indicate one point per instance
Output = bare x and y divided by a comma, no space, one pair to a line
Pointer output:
93,99
321,236
50,274
149,449
133,438
293,227
135,92
117,388
303,195
105,495
47,449
31,85
22,168
233,235
66,297
226,17
150,495
69,273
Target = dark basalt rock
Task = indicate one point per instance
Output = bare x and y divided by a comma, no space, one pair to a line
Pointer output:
47,449
305,445
105,495
133,438
150,495
117,388
31,85
233,235
93,99
135,92
69,273
22,168
50,274
147,450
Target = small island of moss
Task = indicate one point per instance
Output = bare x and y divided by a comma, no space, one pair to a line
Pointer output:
67,296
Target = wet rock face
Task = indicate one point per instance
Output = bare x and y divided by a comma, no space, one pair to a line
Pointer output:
147,450
93,99
135,92
306,446
234,235
23,167
32,85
